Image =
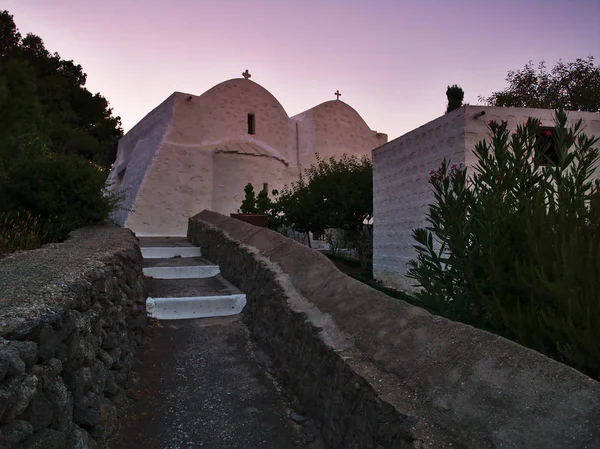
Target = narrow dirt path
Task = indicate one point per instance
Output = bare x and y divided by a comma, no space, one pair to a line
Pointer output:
200,386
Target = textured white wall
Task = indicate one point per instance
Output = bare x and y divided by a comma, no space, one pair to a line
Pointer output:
221,115
194,152
476,129
231,173
135,154
332,129
401,192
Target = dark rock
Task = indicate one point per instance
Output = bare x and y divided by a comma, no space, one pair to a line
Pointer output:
7,398
15,432
46,439
83,440
3,368
28,350
86,411
105,358
9,355
297,418
39,413
61,402
24,388
49,340
110,341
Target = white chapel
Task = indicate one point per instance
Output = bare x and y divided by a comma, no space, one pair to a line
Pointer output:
198,152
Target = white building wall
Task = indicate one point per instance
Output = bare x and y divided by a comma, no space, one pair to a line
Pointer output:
231,173
401,191
332,129
135,155
195,152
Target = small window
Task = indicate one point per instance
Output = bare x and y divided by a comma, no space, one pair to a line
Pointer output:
251,124
546,152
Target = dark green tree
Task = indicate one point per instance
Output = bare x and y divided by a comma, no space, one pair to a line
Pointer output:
455,96
249,203
572,86
57,141
333,193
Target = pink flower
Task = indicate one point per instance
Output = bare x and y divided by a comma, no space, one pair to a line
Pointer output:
453,167
572,139
431,173
548,132
490,123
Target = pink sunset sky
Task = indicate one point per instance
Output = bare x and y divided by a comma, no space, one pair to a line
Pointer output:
391,60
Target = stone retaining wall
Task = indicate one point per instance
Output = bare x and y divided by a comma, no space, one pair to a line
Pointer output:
71,317
379,373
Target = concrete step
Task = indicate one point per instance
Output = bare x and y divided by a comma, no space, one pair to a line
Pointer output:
174,299
180,268
165,247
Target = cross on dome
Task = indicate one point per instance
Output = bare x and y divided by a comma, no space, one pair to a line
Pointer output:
246,74
337,94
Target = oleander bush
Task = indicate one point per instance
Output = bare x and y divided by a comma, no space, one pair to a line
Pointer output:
513,244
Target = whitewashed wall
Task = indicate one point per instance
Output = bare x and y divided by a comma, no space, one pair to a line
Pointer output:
194,152
401,192
332,129
135,154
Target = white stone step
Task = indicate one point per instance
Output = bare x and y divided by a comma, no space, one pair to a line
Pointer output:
195,306
164,252
182,272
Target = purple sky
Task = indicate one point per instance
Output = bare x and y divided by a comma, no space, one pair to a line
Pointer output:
391,60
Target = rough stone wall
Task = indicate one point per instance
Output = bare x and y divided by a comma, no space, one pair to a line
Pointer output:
332,129
72,316
380,373
401,191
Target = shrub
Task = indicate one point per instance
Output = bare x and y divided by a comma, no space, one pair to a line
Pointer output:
22,231
513,247
249,203
62,191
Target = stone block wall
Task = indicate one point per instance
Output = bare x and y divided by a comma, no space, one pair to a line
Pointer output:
71,318
376,372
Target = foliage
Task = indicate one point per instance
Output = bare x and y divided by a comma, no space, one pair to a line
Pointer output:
249,203
22,231
333,193
263,202
513,247
455,96
573,86
65,189
57,141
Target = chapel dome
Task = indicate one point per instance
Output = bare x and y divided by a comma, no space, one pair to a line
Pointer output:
245,90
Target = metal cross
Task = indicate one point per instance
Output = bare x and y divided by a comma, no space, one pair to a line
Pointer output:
337,94
246,74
